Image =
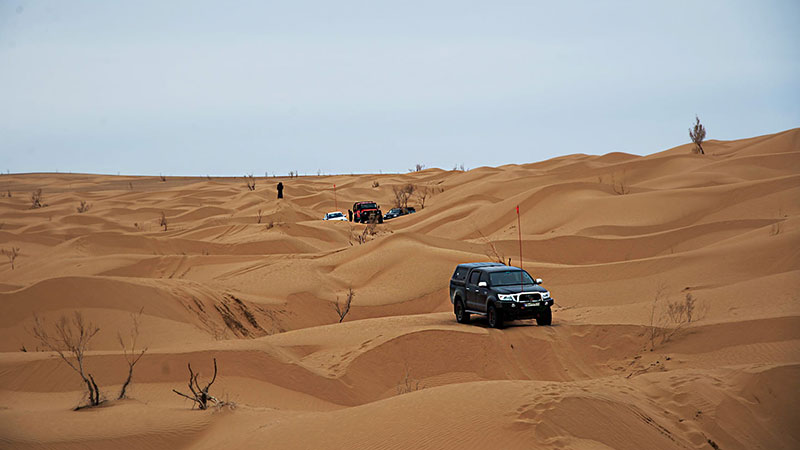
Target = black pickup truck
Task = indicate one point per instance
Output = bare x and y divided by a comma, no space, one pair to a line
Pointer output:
499,292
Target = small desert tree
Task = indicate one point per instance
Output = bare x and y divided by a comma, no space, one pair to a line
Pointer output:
402,194
342,308
11,255
422,194
70,341
163,221
200,396
129,349
698,134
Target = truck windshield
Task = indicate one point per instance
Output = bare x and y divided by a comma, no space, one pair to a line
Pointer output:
509,278
367,206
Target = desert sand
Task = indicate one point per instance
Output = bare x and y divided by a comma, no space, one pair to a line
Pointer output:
606,233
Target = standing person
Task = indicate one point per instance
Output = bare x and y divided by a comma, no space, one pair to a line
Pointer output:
350,214
280,190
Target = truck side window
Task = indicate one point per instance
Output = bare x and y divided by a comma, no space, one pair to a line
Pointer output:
460,274
473,277
485,277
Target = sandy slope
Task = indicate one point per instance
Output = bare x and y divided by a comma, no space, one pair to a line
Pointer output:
603,231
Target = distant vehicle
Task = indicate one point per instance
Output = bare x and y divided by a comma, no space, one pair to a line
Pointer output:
397,212
366,211
336,215
499,292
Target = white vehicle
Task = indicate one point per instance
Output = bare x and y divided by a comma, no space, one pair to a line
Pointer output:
336,215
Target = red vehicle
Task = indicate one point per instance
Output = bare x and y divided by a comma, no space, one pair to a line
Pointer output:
366,211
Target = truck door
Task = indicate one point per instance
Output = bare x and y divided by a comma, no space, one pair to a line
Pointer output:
483,292
472,289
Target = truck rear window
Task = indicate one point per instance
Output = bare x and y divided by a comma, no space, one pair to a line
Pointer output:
460,273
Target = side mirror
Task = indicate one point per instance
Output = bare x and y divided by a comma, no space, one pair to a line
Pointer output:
482,284
538,281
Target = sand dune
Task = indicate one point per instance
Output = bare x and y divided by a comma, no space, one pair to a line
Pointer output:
605,232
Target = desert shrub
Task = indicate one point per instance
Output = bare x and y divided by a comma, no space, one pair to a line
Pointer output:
375,184
251,182
619,185
342,308
408,384
11,255
417,168
459,168
698,133
669,318
162,177
491,249
37,199
258,216
70,342
200,396
163,222
84,206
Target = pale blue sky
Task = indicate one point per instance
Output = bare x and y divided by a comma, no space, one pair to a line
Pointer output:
227,88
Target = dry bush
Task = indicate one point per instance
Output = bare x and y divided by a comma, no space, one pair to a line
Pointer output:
618,185
417,168
130,351
162,177
251,182
259,215
402,194
667,319
343,308
9,193
375,184
11,255
85,206
163,222
37,200
422,194
459,168
130,185
70,341
270,224
200,396
408,384
698,134
491,250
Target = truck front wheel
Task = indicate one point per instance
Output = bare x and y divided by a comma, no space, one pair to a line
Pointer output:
493,315
545,317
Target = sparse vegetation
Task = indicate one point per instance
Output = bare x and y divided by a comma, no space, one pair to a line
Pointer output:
422,194
84,206
491,249
71,341
162,177
619,185
417,168
11,255
698,134
375,184
200,396
408,384
343,308
402,194
130,351
251,182
258,216
163,222
667,319
37,199
459,168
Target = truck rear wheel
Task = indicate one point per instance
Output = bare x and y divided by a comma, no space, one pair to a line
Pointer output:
493,315
545,318
462,316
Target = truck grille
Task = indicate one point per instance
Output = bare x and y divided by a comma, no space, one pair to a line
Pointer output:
530,297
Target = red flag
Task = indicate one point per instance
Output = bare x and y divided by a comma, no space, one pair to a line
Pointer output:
519,230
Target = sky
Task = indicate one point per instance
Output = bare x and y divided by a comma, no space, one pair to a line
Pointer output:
232,88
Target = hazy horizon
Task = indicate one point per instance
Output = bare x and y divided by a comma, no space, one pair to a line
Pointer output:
199,88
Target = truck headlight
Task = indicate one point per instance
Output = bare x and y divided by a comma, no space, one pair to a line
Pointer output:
509,298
